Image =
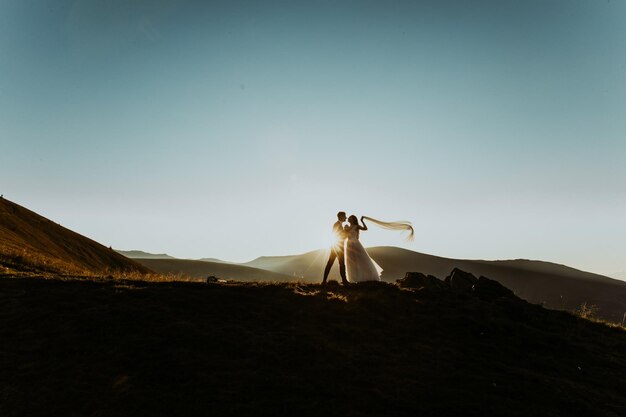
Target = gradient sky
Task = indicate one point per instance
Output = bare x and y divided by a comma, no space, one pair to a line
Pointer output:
237,129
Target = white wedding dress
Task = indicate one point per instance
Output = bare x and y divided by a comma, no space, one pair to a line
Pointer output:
359,266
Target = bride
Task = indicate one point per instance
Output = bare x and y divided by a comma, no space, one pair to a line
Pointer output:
359,266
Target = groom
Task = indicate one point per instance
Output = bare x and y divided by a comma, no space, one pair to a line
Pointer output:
336,251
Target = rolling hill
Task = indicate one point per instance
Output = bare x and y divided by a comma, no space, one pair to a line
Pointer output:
555,286
202,269
30,243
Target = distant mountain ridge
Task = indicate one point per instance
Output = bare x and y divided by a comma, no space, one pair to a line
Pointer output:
134,254
139,254
30,243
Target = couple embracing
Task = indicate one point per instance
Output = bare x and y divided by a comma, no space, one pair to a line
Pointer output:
355,265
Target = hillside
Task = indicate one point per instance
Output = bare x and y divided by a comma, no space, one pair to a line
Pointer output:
554,286
165,349
202,269
30,243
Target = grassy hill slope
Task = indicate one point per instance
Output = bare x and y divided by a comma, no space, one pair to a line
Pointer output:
33,244
162,349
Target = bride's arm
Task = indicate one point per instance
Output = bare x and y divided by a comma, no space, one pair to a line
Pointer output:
364,227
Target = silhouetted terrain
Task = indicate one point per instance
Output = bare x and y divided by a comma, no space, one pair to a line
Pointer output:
30,243
202,269
555,286
122,348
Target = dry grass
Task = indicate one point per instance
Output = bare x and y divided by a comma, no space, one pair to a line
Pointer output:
153,277
590,312
28,261
587,311
25,263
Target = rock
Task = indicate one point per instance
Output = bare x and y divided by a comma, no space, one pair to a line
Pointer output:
461,281
211,279
419,280
489,290
412,280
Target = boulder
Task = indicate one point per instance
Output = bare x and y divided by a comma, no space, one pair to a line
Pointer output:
461,281
489,290
419,280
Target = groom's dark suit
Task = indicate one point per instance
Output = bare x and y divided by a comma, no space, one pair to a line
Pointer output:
336,252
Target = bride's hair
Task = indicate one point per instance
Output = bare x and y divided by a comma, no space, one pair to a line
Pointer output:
401,225
353,220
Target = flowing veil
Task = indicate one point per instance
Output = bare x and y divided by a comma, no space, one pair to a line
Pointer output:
400,225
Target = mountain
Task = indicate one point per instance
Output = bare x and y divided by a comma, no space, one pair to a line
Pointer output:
105,348
134,254
30,243
202,269
139,254
552,285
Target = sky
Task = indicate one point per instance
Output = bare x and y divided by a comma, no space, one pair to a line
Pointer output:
237,129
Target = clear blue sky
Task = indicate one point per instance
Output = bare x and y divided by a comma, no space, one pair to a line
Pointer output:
237,129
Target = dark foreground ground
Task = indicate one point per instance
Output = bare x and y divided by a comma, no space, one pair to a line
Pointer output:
98,348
